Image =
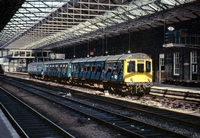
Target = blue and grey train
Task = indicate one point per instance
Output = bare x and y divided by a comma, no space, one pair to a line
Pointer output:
127,73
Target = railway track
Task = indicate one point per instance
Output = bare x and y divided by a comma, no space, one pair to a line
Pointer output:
166,114
125,124
27,121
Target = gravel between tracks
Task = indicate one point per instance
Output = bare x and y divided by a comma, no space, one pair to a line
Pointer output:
78,126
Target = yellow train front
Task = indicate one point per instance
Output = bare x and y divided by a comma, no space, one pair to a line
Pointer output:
138,73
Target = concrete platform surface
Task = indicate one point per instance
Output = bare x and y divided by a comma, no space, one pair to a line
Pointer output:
176,88
6,129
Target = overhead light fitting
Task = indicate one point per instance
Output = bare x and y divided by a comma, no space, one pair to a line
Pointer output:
171,28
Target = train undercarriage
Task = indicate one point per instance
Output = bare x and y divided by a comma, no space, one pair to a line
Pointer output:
112,87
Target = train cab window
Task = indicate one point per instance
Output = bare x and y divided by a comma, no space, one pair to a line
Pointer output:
140,68
131,67
148,66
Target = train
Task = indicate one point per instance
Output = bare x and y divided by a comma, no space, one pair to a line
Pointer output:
124,74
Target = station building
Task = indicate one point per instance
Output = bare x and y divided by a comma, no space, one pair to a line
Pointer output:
168,31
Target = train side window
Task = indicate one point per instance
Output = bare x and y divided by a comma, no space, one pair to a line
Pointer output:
66,66
82,68
131,67
93,68
108,68
148,66
53,67
87,68
60,67
79,68
140,68
116,68
98,67
74,68
63,68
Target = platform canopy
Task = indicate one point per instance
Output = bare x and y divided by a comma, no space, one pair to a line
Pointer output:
47,24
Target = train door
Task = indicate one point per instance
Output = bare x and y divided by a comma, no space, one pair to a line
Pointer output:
81,69
193,65
115,71
89,70
109,67
161,75
103,73
121,70
93,70
98,70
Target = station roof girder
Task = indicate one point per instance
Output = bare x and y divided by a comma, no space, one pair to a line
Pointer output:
47,24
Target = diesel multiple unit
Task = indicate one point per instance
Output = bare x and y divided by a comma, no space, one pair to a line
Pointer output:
127,73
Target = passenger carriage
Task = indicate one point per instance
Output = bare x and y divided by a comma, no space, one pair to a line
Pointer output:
57,70
127,73
36,69
119,73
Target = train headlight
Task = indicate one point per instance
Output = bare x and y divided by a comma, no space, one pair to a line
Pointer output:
115,77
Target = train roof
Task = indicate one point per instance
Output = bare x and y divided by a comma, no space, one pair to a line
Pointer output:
113,58
99,59
58,61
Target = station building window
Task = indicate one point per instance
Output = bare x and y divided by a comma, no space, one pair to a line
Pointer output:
193,58
176,63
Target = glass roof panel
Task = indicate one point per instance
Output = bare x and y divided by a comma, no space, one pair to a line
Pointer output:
39,23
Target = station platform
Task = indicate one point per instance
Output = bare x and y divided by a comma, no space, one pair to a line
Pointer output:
6,129
176,88
179,92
